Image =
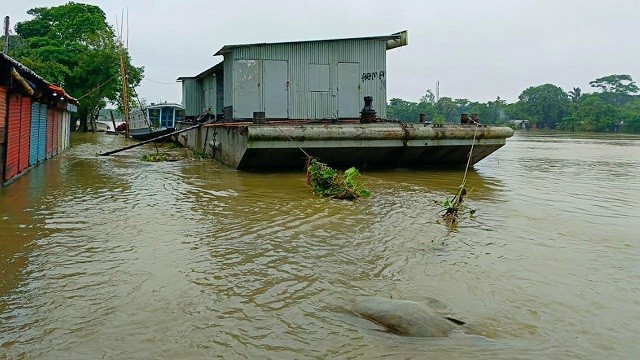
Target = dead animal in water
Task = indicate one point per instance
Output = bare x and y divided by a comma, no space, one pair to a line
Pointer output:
406,317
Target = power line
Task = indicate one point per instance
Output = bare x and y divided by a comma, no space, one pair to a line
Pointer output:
158,82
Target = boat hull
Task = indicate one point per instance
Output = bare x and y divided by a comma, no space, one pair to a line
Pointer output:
148,134
382,145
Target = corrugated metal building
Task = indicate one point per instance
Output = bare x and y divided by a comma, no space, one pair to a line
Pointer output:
34,119
303,80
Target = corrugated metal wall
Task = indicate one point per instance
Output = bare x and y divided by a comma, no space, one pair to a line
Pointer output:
192,100
25,133
306,101
66,129
209,92
30,136
3,125
59,142
35,129
227,71
219,92
51,122
13,137
42,133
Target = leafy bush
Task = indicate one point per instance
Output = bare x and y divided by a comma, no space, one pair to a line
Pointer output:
326,181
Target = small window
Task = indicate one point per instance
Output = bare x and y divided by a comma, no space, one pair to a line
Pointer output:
179,115
154,117
167,117
318,79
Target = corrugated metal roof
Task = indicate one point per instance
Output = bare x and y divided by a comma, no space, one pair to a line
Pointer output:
215,68
25,71
396,36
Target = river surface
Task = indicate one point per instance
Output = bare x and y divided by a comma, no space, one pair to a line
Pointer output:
112,257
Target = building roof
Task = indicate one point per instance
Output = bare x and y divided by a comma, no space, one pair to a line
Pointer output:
393,40
215,68
34,78
164,104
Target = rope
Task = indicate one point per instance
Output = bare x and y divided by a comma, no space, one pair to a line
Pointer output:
98,87
289,137
464,178
452,211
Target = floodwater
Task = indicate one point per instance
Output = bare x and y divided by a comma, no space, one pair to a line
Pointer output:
111,257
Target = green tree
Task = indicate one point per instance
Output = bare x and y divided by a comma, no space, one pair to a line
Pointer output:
447,108
630,115
615,89
574,95
620,84
545,105
428,97
590,113
74,46
399,109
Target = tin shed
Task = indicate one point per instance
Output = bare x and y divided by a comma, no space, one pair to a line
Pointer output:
202,93
302,80
28,135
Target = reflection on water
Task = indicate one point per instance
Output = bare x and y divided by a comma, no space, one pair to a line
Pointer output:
117,258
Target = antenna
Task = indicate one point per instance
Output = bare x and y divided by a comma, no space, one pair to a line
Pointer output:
6,35
437,90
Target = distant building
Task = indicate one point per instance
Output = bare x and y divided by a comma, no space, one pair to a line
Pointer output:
520,124
301,80
35,119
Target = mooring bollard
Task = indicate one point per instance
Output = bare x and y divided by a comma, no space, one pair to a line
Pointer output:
368,114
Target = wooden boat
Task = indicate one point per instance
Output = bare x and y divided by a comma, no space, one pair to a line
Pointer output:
154,120
148,134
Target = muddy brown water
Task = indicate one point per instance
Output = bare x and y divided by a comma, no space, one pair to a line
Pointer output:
111,257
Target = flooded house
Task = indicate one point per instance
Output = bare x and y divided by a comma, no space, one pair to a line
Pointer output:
35,119
271,100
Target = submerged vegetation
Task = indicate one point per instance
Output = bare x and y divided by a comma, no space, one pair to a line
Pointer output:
174,152
455,207
159,157
329,182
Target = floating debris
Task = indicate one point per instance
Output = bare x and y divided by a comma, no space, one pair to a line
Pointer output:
329,182
159,157
455,207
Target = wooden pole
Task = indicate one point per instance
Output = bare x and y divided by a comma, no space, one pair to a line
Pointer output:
148,141
125,88
113,121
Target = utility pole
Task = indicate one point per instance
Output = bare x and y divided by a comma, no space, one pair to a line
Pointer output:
6,35
437,90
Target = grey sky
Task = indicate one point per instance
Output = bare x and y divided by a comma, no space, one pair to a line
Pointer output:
476,49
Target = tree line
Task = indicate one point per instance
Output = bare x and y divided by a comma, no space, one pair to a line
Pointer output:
614,105
73,46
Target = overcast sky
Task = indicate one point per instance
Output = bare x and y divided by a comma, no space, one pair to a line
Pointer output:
476,49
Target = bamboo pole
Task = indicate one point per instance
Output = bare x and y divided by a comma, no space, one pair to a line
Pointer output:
148,141
113,121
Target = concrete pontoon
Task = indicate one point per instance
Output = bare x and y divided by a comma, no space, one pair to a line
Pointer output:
277,145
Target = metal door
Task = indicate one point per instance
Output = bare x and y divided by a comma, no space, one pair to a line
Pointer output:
66,128
42,133
25,133
349,90
3,124
3,115
60,131
13,137
247,85
35,128
276,87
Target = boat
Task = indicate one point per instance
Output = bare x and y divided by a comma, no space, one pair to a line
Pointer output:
286,144
154,120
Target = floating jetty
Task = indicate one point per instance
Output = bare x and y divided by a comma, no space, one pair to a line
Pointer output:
280,145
